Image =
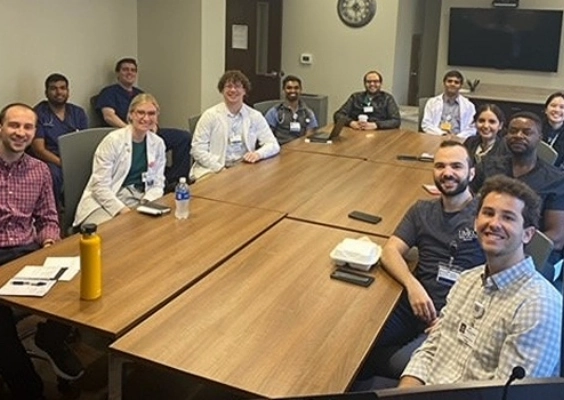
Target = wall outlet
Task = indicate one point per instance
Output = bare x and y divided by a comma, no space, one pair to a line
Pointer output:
306,58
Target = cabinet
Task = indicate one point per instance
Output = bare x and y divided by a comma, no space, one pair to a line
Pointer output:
510,107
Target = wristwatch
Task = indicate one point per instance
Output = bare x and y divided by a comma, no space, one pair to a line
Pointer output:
356,13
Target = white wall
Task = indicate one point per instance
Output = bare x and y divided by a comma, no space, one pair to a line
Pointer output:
181,55
341,55
213,52
410,19
81,39
507,77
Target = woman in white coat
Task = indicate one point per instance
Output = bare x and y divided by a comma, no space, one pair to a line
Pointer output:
128,166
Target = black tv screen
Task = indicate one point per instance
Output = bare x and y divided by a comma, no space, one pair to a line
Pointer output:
505,38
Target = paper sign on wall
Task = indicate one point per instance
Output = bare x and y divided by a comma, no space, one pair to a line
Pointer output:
240,37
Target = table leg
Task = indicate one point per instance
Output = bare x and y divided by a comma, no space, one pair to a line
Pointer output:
115,375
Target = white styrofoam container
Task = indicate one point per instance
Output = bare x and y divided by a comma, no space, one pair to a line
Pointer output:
360,253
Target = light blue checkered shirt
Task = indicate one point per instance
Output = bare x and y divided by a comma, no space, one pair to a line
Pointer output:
516,314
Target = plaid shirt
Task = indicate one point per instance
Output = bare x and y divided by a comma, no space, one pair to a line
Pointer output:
27,205
516,318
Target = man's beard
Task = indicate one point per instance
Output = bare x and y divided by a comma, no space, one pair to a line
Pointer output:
460,187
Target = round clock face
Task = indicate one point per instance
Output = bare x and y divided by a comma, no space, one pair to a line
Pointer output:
356,13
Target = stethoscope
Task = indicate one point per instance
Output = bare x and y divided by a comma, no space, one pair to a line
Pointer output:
51,124
281,116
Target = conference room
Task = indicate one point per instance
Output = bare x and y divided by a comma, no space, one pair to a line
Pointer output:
181,52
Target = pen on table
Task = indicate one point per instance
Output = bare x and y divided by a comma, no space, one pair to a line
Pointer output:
29,283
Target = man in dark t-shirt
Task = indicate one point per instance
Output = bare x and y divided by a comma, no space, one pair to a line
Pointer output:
443,232
524,132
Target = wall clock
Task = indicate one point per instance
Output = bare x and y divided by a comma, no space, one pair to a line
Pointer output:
356,13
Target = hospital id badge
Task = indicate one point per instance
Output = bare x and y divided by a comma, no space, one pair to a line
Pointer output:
467,334
368,109
445,126
448,274
295,127
236,139
147,179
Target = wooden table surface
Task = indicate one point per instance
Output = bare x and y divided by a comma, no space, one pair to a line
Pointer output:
270,322
280,183
384,146
382,189
146,261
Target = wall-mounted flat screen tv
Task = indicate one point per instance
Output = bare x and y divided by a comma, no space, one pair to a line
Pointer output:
505,38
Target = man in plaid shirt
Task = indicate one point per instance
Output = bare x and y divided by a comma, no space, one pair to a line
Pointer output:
28,221
500,315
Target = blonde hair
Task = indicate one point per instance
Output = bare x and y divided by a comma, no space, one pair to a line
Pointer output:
140,99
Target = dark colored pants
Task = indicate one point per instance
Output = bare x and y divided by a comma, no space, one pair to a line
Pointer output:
15,366
179,142
401,335
57,177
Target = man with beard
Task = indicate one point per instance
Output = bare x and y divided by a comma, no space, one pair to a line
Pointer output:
56,117
291,118
449,112
524,133
371,109
443,232
499,315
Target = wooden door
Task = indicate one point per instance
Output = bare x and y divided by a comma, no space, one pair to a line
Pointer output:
253,44
414,66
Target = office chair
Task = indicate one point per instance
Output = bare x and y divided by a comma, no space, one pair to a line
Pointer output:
264,106
97,119
192,122
422,103
539,248
546,153
77,150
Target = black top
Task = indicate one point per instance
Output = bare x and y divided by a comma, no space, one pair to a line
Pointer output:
385,111
557,135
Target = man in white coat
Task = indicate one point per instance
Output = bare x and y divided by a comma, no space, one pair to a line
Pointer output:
128,166
228,132
449,113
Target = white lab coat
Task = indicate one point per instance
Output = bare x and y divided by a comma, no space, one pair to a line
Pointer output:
209,143
110,166
434,110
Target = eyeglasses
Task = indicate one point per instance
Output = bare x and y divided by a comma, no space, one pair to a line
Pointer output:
372,81
142,113
237,85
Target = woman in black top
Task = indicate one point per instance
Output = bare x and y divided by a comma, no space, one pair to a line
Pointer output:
488,141
553,125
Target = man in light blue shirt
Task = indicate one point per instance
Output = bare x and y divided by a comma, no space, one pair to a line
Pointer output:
500,315
449,113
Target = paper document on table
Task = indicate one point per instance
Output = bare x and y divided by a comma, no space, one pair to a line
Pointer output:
72,265
27,287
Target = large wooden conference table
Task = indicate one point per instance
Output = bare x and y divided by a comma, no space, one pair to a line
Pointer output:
322,188
382,146
146,262
269,322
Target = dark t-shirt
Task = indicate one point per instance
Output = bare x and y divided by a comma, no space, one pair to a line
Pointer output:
116,97
545,179
433,231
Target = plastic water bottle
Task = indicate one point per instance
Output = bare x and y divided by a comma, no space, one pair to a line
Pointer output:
182,195
90,263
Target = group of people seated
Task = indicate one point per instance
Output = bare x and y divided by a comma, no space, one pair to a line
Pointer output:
474,307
